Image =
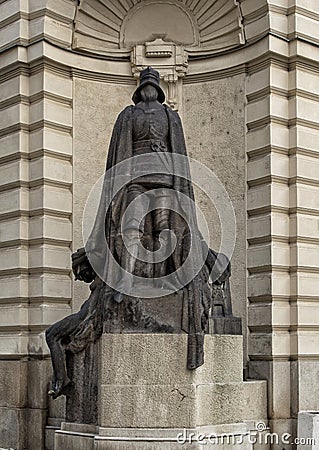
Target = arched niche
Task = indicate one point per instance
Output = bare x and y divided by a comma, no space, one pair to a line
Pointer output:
151,18
111,28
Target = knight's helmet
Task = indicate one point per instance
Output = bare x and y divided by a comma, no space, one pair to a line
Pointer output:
149,76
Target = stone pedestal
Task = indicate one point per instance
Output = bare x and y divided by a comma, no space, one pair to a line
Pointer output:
146,394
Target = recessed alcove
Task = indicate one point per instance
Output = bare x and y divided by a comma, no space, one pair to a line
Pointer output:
166,18
113,27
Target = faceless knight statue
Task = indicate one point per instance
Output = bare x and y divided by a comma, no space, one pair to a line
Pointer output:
147,151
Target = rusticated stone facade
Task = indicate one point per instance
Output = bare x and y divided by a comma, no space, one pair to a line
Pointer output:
247,93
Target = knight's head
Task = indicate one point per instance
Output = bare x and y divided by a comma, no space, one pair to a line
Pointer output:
150,86
148,93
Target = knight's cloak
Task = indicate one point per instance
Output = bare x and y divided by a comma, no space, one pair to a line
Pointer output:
106,230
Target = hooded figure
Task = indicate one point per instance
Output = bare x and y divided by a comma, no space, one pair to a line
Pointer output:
146,196
147,169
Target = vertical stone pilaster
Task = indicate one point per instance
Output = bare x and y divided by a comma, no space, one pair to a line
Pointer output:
282,176
35,219
50,234
14,229
36,233
50,198
304,210
268,253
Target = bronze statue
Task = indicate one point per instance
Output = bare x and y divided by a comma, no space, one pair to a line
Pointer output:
149,129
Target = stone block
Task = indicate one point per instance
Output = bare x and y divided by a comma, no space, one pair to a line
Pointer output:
258,81
307,284
13,428
259,255
13,172
281,252
144,383
14,343
307,27
279,106
259,315
15,315
304,313
283,431
259,226
53,256
226,325
53,198
149,359
58,85
46,315
258,110
306,393
14,229
49,436
50,285
259,168
39,374
52,228
231,402
147,406
281,313
13,114
53,140
259,197
13,386
51,111
13,86
280,283
280,224
305,166
36,420
50,168
308,430
59,6
304,255
13,258
277,374
14,200
305,137
305,197
56,408
258,138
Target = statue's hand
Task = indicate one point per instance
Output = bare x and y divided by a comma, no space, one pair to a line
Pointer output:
81,266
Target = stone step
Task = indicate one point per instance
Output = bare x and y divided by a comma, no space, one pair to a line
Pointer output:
186,406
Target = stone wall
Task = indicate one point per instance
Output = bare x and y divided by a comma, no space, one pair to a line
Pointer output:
96,106
214,125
